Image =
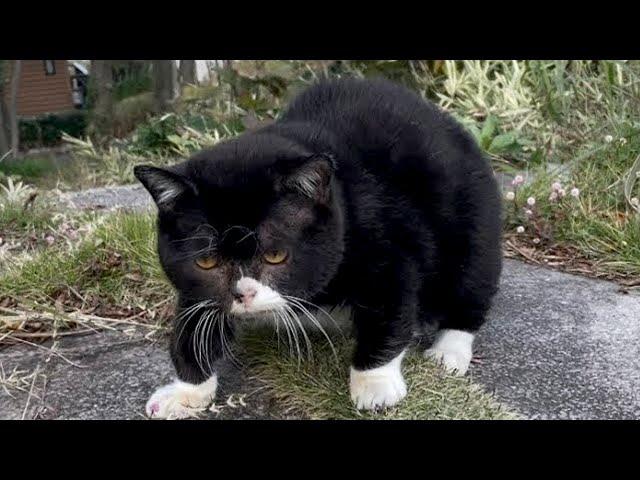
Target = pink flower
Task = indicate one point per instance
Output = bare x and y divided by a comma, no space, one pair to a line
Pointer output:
531,201
575,192
553,197
555,186
50,239
520,229
561,193
518,180
510,196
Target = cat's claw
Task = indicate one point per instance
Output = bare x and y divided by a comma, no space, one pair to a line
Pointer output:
378,387
180,400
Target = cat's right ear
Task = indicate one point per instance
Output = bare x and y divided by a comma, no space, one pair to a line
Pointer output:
164,186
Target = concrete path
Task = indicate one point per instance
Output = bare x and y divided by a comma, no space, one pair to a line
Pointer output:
557,346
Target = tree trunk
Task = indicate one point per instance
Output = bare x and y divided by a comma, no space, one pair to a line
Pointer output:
188,74
13,107
102,80
165,83
4,144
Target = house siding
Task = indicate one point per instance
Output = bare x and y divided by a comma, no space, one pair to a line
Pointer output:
39,93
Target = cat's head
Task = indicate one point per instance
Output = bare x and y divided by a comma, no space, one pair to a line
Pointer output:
248,223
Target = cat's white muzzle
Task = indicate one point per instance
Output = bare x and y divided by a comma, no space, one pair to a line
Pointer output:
254,297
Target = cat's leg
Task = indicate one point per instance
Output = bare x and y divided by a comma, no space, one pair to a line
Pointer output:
196,344
471,279
382,337
464,310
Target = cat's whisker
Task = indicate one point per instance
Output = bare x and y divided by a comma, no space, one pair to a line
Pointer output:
196,253
327,314
195,338
317,324
195,237
225,344
294,333
186,315
304,332
211,323
280,316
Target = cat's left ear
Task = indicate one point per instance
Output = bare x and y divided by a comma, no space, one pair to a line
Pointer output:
164,186
313,177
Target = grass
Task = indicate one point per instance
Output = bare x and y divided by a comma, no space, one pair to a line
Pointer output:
116,264
30,168
318,389
602,224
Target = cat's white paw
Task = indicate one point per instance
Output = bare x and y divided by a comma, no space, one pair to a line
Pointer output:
379,387
181,400
453,350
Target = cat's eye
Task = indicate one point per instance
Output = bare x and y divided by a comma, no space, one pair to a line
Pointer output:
206,263
275,256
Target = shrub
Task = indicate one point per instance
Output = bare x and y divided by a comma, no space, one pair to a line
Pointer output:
131,112
47,130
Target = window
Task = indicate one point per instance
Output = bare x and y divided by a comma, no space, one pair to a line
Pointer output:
49,67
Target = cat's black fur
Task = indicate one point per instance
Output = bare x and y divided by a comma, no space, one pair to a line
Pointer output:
385,202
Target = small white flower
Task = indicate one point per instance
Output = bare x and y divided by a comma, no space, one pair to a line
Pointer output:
510,196
555,186
531,201
518,180
536,241
608,138
634,201
561,192
553,197
520,229
528,213
623,141
575,192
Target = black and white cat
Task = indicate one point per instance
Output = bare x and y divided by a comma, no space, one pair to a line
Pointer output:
361,194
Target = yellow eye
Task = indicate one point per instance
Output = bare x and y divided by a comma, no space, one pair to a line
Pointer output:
275,256
206,263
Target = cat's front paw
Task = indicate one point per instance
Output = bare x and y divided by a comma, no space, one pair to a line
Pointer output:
181,400
378,387
452,349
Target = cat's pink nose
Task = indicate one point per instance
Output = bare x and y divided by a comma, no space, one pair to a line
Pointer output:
244,295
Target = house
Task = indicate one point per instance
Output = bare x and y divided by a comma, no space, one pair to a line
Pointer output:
60,86
44,87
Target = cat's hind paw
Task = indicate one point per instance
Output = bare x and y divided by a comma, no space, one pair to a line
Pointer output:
180,400
378,387
452,349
